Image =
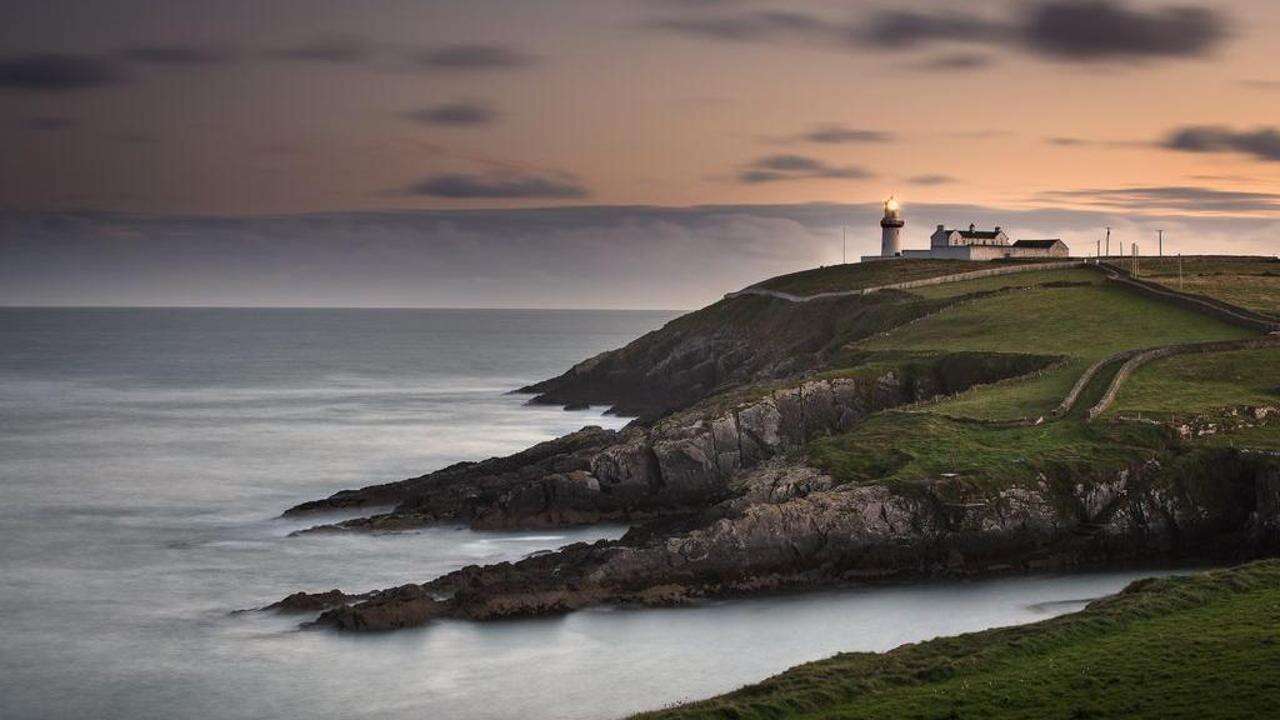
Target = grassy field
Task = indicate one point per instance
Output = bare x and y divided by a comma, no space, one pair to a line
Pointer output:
1204,646
858,276
1180,387
1016,280
1251,282
1029,397
1201,647
1198,383
1207,646
906,448
1080,323
1264,437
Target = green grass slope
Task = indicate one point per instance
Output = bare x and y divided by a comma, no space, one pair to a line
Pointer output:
902,449
1250,282
1204,646
1013,280
859,276
1200,383
1087,322
1076,316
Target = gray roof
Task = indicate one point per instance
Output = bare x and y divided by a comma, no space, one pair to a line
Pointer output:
1037,243
978,234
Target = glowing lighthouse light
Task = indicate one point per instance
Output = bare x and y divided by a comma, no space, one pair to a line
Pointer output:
891,229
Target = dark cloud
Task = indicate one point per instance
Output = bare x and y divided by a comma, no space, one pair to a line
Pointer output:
956,62
909,28
931,180
176,55
54,72
755,25
1072,30
1069,141
788,163
473,57
835,134
774,168
336,49
1177,198
1226,178
1262,143
1080,30
457,114
461,186
1105,29
51,123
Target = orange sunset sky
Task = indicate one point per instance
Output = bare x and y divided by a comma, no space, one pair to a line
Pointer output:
1137,113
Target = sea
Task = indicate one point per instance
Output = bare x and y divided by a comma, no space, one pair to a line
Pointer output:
146,456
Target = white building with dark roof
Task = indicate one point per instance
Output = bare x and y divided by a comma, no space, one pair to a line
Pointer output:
970,244
1052,247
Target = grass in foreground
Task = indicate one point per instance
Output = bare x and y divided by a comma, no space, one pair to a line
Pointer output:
1201,646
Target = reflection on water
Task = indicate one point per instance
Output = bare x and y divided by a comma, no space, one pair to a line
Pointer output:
144,455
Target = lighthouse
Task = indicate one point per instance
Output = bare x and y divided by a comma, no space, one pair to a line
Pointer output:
891,230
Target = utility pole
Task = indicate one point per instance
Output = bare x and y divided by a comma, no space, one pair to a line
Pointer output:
844,244
1098,251
1135,259
1109,242
1179,272
1161,242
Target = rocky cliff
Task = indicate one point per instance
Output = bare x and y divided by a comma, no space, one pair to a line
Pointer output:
734,342
789,526
720,483
682,463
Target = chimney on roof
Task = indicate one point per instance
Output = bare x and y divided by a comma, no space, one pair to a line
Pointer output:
942,227
971,227
997,228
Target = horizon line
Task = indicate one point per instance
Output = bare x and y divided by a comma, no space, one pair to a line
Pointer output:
338,307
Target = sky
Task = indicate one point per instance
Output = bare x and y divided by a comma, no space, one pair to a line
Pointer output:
605,153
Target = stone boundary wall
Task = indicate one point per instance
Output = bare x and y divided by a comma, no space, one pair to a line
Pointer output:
1070,400
1137,361
1233,314
942,279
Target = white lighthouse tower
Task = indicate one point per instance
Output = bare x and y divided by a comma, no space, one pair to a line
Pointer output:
891,230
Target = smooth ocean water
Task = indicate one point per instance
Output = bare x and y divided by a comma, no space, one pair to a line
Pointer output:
146,454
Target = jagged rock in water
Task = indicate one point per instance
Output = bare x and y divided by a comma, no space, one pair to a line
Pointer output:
793,527
683,462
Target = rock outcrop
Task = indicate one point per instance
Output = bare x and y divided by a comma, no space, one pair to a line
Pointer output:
680,464
792,527
733,342
714,481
